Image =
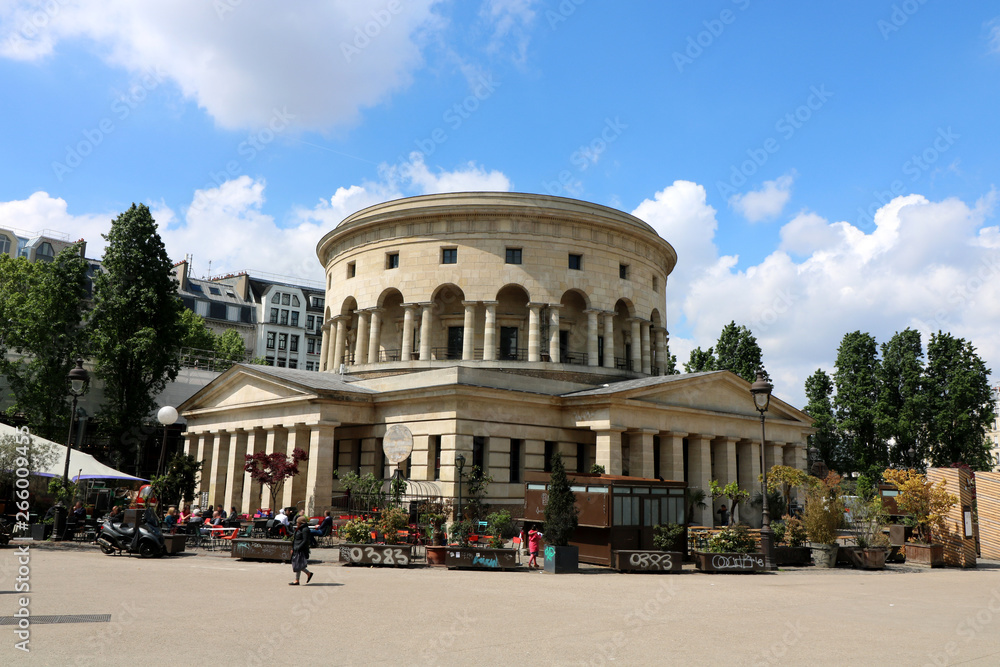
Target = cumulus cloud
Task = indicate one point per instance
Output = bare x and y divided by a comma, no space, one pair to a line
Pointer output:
766,203
322,62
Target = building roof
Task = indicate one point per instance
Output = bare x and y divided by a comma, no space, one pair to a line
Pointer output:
638,383
310,379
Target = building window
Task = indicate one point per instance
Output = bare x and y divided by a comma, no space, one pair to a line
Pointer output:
281,362
295,318
436,455
284,316
479,454
245,315
293,363
282,341
392,260
310,321
581,457
295,301
4,245
286,299
550,449
656,284
352,269
576,262
294,344
45,252
449,255
516,447
195,287
214,290
309,366
268,361
513,256
274,316
623,271
270,340
311,346
217,311
316,302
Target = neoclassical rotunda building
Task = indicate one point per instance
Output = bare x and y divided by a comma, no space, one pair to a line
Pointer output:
504,327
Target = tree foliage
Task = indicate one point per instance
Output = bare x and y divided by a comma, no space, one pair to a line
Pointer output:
856,380
271,470
230,346
560,510
899,409
177,483
737,351
925,504
195,334
22,451
733,492
135,325
42,306
700,361
959,404
826,439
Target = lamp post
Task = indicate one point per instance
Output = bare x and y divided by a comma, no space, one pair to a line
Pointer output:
460,462
167,415
761,392
78,379
912,455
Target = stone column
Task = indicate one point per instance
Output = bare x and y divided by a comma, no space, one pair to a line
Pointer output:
361,344
773,454
647,362
661,350
609,339
700,468
190,443
748,473
592,334
609,449
672,455
534,331
375,336
406,354
294,489
469,331
319,476
205,444
554,332
723,468
425,332
251,490
324,359
636,344
220,466
236,461
337,354
490,332
641,452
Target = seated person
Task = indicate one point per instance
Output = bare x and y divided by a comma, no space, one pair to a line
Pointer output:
116,515
184,514
170,520
216,518
324,527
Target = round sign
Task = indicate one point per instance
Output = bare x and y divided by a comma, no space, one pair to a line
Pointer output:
397,443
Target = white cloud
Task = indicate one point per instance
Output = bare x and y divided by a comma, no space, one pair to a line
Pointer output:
994,35
240,61
511,21
766,203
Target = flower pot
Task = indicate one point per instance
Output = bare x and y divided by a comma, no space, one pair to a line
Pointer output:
824,555
728,563
436,555
784,555
925,555
872,558
561,560
393,555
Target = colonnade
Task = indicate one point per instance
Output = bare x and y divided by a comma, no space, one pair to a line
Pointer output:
648,346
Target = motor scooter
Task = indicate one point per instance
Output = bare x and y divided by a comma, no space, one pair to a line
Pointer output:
119,537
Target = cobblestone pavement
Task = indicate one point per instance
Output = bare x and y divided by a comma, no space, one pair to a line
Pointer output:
205,607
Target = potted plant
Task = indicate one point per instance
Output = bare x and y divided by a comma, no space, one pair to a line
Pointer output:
789,540
433,521
560,522
732,549
733,492
359,547
490,556
925,506
823,517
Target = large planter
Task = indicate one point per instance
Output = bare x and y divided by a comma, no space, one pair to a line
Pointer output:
867,559
436,555
261,549
824,555
174,544
925,555
561,560
480,558
730,563
40,531
792,556
648,561
389,555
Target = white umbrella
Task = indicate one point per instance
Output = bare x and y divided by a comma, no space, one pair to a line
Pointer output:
81,466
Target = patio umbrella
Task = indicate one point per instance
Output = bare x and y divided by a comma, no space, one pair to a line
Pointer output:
81,466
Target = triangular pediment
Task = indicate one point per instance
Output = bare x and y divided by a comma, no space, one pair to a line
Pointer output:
238,387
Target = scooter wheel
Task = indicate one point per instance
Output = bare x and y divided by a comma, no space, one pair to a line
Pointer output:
106,550
146,550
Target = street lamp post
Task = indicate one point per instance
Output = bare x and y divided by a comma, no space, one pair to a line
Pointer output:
167,415
761,392
460,462
78,379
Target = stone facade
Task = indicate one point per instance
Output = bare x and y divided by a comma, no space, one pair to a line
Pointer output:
503,362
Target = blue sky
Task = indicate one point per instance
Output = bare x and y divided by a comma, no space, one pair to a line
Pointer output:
819,168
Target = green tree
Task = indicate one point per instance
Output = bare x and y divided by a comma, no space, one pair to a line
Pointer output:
826,439
560,511
670,367
700,360
42,306
959,405
230,346
178,481
195,334
737,351
856,379
135,326
899,410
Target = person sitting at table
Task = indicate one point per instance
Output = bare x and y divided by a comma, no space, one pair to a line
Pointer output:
216,518
115,515
222,512
282,518
169,521
324,527
184,514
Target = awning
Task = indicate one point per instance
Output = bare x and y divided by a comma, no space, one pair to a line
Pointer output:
81,466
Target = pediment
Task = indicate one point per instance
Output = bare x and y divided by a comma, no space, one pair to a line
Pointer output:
241,388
